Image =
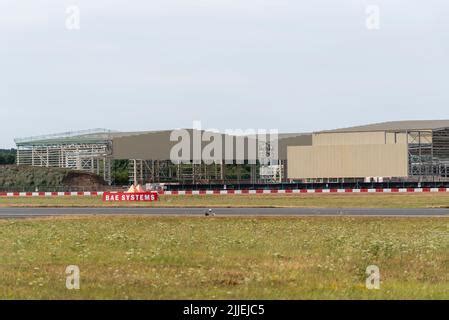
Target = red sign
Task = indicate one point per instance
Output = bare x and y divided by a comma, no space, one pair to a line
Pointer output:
134,197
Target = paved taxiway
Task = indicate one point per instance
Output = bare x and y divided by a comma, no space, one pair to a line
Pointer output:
42,212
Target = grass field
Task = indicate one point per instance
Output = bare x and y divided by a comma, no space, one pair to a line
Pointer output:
224,258
418,200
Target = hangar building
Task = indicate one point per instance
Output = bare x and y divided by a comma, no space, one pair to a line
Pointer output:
400,150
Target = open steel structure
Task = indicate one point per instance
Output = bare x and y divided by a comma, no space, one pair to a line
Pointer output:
88,150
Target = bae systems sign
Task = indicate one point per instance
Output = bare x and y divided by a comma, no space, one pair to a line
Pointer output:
137,197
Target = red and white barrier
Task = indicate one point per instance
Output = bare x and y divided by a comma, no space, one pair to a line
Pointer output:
51,194
232,192
303,191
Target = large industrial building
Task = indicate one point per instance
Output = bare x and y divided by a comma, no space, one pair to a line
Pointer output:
149,155
401,150
391,151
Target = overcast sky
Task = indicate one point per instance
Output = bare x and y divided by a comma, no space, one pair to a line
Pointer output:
159,64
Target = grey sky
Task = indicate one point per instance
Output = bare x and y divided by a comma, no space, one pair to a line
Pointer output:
159,64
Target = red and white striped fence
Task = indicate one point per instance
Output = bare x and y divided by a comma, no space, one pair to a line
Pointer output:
234,192
49,194
304,191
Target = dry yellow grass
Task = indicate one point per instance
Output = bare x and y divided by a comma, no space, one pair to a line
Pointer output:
224,258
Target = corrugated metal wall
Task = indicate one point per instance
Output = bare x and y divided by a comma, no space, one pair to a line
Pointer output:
357,138
157,145
348,161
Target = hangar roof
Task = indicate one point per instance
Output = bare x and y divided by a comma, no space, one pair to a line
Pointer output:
155,145
83,136
395,126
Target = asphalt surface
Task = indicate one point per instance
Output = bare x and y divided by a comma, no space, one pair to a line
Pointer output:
43,212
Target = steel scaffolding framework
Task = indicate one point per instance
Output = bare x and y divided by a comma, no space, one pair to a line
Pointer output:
271,168
88,151
428,154
156,171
